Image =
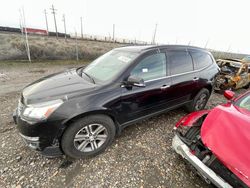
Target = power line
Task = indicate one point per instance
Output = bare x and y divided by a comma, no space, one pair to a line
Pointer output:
54,13
46,20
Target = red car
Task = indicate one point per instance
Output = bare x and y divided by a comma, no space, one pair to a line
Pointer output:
217,142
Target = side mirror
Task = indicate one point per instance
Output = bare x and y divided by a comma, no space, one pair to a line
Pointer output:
229,94
135,81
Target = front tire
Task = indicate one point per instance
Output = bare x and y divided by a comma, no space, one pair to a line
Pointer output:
88,136
199,101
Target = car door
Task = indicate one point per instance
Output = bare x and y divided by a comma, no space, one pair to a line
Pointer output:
184,78
203,65
138,102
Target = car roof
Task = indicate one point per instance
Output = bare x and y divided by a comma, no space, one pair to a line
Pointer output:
142,48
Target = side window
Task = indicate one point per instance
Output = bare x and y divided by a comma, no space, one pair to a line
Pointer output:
180,61
201,59
151,67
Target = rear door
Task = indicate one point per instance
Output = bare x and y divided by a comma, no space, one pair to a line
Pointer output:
203,65
184,78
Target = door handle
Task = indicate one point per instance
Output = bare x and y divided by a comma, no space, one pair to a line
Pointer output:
165,87
195,78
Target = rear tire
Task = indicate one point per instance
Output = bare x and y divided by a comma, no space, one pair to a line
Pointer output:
88,136
199,101
247,86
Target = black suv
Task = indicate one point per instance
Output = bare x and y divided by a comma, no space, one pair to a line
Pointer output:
78,112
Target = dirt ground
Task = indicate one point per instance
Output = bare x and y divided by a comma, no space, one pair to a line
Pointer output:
141,157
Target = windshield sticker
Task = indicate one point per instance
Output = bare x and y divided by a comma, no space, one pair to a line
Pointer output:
144,70
124,59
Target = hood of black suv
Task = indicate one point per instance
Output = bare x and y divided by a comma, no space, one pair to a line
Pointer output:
59,85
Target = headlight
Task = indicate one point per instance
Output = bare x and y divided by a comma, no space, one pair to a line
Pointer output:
41,111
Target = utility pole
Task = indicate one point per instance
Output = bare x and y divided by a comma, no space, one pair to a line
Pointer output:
113,32
20,21
46,20
64,27
153,40
54,13
26,37
77,58
81,28
206,44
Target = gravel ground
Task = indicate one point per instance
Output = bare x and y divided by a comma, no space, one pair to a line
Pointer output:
141,157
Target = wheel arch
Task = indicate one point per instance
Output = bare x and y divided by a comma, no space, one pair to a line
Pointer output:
209,87
70,120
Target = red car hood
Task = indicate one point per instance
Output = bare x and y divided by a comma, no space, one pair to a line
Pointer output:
226,132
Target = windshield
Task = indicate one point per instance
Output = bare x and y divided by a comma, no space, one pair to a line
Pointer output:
244,102
109,65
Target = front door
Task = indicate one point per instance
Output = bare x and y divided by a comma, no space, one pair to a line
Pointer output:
138,102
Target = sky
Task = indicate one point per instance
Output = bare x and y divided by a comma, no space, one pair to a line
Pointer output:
221,24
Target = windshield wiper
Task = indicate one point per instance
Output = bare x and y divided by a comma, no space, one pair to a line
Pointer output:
89,76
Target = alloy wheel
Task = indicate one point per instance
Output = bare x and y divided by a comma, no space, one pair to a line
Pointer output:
201,102
90,137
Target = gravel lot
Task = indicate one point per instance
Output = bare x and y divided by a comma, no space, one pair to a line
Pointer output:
141,157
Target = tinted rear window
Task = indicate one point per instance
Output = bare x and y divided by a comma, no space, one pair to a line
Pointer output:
180,61
201,59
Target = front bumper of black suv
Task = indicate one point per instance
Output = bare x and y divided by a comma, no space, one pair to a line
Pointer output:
38,136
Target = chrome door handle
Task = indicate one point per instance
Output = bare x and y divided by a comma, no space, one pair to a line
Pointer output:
165,87
195,78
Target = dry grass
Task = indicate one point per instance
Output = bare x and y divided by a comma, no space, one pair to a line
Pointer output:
49,48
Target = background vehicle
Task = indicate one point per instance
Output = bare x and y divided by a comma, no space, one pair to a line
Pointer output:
235,74
215,142
79,112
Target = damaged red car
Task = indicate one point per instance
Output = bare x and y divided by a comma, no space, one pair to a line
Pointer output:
216,142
